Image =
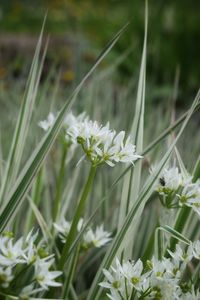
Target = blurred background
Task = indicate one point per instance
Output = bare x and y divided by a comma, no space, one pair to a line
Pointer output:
78,31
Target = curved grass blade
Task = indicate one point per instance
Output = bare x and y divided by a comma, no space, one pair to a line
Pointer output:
185,213
23,122
34,163
174,233
108,194
163,135
159,241
144,195
133,178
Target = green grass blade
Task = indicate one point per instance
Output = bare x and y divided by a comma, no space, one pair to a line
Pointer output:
137,133
163,135
137,136
144,195
185,213
23,122
181,164
43,225
34,163
174,233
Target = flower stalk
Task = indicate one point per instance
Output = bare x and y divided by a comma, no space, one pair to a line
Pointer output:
77,216
59,184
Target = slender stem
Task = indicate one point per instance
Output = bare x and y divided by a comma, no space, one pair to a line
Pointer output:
71,273
79,210
179,226
158,244
36,193
59,184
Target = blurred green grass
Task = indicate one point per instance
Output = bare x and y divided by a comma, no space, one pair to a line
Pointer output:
173,35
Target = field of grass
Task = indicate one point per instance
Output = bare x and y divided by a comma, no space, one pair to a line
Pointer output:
86,213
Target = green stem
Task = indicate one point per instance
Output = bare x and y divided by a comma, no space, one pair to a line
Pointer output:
36,193
179,226
79,210
158,244
71,273
59,183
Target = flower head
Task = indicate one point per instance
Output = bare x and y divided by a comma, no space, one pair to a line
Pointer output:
97,238
169,181
44,276
11,253
195,248
102,145
190,196
21,256
92,238
114,279
46,124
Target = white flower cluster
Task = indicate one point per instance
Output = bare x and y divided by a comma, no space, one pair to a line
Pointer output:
170,180
91,238
46,124
156,280
101,144
177,191
70,120
25,257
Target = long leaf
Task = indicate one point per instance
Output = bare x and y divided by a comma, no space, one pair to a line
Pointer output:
137,132
23,123
95,290
31,168
162,136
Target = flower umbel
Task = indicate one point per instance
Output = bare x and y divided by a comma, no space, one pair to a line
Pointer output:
102,145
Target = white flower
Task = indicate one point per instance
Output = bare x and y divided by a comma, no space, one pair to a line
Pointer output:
170,180
70,119
192,295
29,290
158,270
101,144
30,247
115,279
167,290
46,124
133,272
195,247
190,196
11,253
63,227
44,276
180,256
116,295
98,238
5,276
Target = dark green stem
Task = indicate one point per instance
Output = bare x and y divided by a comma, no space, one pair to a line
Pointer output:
59,184
179,226
79,210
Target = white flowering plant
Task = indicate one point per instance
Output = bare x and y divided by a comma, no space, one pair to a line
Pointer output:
132,234
26,268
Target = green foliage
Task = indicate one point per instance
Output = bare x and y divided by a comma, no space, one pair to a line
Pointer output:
43,181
